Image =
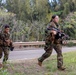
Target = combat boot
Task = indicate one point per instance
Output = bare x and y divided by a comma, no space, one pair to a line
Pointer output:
1,65
61,68
39,63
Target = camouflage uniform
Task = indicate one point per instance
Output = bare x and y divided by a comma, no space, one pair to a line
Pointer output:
4,46
50,43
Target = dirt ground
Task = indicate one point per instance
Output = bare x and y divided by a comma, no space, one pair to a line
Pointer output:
27,67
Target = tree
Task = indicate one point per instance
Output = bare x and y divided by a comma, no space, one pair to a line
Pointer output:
28,9
66,9
31,16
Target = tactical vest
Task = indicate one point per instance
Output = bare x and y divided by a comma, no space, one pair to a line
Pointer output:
49,36
3,37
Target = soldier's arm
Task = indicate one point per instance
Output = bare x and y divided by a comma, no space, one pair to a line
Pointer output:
1,39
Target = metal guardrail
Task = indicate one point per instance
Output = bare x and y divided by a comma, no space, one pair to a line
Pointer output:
74,41
35,43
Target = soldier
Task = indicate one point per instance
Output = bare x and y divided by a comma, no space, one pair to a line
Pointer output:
51,42
5,42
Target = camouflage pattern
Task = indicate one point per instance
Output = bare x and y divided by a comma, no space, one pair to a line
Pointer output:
4,45
50,43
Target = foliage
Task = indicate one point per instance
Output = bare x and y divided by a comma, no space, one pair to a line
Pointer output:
28,9
21,31
4,72
71,44
28,18
66,6
69,25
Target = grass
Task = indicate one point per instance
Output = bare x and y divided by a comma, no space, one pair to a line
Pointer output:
69,63
30,67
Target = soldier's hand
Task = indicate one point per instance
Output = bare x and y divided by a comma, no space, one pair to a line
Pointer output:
64,42
54,32
8,41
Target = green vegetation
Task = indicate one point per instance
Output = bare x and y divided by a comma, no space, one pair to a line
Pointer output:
28,18
4,72
69,63
71,44
30,67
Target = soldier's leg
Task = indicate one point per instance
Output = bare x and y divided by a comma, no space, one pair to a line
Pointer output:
1,52
1,56
58,49
48,50
6,54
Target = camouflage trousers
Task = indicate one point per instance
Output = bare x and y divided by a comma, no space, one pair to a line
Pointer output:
48,50
5,51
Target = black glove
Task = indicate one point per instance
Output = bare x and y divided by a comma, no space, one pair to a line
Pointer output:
11,48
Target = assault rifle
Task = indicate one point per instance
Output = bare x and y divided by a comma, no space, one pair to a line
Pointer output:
60,34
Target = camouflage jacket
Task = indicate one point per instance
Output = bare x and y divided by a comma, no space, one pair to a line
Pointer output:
48,36
4,36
